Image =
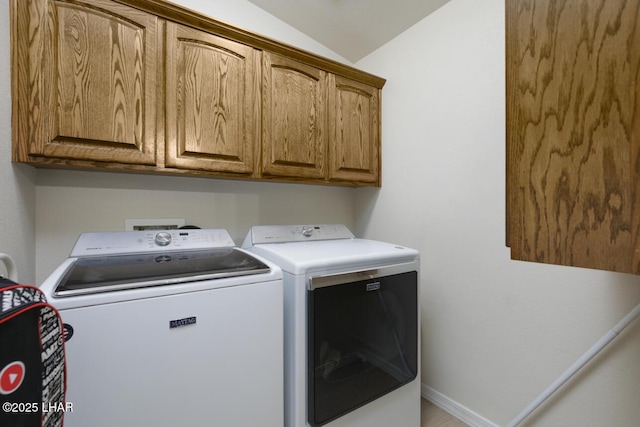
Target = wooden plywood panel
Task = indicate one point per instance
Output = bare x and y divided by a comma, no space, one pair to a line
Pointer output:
572,132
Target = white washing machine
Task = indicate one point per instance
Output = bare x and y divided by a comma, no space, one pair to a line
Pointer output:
351,326
170,328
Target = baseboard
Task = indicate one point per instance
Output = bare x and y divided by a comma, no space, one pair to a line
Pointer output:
464,414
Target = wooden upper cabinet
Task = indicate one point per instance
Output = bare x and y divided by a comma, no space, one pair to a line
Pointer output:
212,102
149,86
89,87
354,131
319,125
294,118
573,133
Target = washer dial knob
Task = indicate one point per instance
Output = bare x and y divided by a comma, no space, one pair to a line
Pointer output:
163,238
307,231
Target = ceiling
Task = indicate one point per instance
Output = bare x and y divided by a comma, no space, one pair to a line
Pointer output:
351,28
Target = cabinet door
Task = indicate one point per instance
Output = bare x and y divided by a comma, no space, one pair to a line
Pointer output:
573,133
92,81
294,118
354,141
212,104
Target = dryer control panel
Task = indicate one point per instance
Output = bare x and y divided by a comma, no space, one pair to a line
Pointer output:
128,242
261,234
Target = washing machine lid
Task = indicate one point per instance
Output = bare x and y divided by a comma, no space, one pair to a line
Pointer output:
301,255
113,261
90,275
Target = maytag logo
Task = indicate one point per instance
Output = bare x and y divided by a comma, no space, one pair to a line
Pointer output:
373,286
182,322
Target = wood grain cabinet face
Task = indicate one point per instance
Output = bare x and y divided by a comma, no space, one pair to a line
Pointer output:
294,118
212,105
92,81
318,124
573,133
354,131
149,86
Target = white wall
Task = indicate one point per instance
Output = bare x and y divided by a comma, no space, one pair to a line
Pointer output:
17,184
69,203
495,332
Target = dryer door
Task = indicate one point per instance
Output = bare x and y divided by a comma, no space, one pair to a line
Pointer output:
362,341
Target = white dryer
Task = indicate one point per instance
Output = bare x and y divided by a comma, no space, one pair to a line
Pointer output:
170,328
351,326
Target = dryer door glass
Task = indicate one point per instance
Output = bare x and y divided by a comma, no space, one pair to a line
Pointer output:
363,343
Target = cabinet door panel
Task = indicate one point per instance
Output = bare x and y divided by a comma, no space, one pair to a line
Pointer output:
354,153
212,108
294,118
100,74
573,85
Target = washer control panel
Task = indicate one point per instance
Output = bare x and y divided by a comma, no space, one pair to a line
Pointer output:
296,233
128,242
